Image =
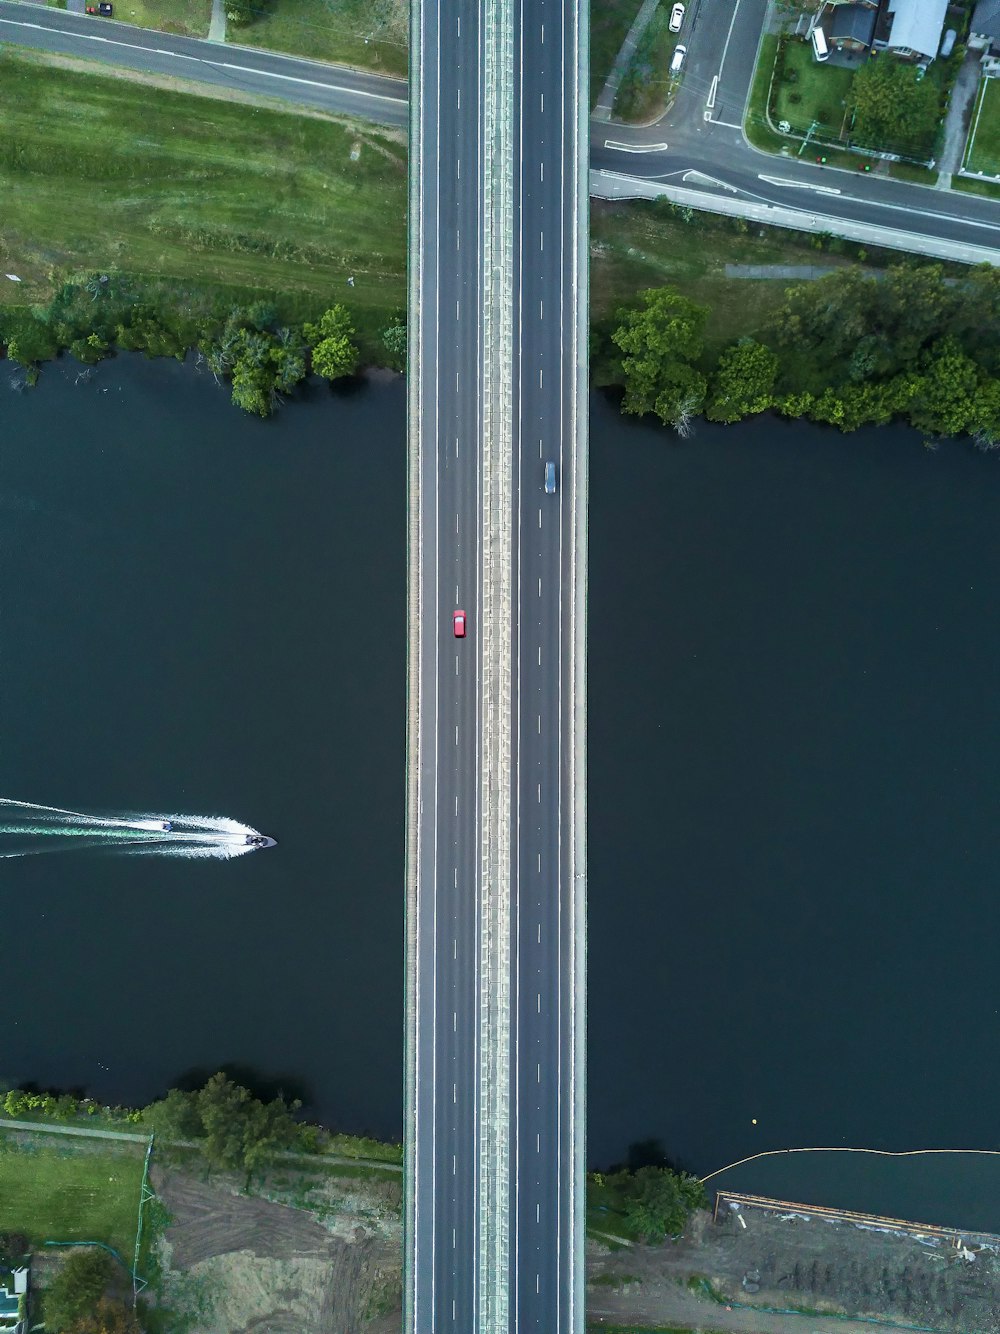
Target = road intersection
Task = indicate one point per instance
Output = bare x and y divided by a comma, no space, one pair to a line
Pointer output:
696,153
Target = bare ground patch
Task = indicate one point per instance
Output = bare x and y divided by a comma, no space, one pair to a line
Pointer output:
806,1263
236,1263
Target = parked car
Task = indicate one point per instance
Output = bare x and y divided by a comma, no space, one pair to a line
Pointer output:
458,623
105,9
678,59
948,45
676,18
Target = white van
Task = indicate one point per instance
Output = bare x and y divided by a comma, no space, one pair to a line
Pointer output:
678,59
821,50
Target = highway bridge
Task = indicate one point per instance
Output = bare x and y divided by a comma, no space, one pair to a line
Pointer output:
496,874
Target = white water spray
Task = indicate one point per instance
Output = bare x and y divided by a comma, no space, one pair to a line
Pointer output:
28,828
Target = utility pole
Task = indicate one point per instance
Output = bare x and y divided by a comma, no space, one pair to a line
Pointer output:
805,141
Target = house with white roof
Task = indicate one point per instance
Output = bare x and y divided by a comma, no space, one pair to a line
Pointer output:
13,1300
915,28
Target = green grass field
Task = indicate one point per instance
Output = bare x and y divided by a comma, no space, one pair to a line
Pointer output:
190,18
812,93
983,150
350,32
755,123
208,195
57,1188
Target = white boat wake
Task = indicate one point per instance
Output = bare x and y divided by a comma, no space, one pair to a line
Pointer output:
28,829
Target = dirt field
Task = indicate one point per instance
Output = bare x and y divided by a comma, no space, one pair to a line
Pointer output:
802,1262
329,1263
323,1255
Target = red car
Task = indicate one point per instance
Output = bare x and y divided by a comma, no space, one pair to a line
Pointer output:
458,621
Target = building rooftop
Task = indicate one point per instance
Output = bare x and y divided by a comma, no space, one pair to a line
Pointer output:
916,25
854,22
986,18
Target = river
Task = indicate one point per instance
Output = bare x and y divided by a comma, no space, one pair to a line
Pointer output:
793,731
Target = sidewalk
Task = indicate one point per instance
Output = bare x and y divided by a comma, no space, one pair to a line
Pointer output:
956,125
217,28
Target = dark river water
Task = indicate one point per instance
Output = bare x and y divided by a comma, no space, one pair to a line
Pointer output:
794,733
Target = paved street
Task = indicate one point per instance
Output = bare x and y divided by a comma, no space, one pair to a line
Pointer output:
495,1019
700,148
307,83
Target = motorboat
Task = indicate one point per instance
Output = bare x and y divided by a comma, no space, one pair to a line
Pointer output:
261,841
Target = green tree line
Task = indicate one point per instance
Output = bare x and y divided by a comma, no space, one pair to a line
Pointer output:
260,358
849,350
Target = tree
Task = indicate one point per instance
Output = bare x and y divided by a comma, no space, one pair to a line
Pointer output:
659,342
893,107
251,389
985,426
108,1317
394,341
333,352
288,357
657,1202
743,382
681,397
239,1131
89,350
946,401
175,1116
77,1288
795,405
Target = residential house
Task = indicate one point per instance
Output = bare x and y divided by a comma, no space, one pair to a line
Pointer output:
984,31
13,1300
851,27
915,28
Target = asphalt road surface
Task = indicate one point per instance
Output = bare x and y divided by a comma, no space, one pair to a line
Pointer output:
449,803
241,69
547,1123
696,145
443,911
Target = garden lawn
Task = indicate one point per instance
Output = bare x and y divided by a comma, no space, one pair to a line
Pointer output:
190,18
58,1188
983,151
610,21
811,92
195,194
758,131
348,32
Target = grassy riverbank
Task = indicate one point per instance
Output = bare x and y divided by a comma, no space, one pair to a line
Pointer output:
209,202
196,204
